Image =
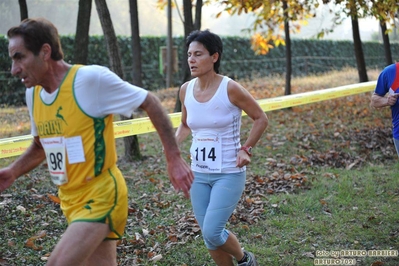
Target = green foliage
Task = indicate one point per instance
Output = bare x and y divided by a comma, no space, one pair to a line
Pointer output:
12,92
239,60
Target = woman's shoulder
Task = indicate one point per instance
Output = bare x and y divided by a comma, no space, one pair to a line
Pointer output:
233,85
188,84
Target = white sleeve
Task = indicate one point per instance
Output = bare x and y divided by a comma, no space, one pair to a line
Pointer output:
29,104
100,92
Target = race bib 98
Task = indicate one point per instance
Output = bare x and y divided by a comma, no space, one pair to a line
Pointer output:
55,155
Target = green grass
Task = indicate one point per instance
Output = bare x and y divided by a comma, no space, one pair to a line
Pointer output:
347,198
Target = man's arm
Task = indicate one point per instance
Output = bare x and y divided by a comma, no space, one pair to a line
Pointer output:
179,172
29,160
378,101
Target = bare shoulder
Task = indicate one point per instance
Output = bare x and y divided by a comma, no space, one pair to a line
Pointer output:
182,91
184,86
235,89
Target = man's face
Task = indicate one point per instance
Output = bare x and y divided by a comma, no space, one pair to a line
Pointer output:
28,67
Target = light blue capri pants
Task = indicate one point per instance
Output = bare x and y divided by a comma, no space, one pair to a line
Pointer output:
214,198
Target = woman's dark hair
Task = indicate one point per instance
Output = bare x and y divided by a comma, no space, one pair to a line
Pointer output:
210,41
36,32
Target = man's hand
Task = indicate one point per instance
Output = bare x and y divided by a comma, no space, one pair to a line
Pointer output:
7,177
391,99
180,175
179,172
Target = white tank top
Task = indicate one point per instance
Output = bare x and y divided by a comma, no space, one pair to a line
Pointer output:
215,127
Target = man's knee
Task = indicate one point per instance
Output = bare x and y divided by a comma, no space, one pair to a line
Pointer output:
105,254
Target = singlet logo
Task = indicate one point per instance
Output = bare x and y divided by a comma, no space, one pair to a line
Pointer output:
58,115
87,206
52,127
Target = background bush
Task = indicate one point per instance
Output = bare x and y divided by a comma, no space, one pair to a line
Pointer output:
239,61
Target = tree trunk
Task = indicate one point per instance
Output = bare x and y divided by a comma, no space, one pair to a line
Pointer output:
132,151
189,26
132,147
110,37
288,54
23,9
81,48
169,48
137,72
360,61
198,15
387,45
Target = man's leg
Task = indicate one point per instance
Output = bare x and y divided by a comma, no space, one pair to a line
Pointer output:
396,143
83,242
104,255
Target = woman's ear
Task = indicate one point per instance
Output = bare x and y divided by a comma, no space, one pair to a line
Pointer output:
215,57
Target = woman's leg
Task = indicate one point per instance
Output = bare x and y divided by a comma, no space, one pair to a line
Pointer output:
226,192
200,195
223,255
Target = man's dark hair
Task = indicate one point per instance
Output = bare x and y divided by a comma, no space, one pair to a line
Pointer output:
36,32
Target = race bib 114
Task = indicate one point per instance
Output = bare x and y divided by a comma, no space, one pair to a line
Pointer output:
206,154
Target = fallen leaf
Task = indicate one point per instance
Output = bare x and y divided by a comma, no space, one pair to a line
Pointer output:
54,198
157,258
308,254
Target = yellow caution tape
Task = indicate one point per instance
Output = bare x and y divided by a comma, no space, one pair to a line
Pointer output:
315,96
17,145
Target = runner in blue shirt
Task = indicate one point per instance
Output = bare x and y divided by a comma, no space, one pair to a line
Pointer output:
386,94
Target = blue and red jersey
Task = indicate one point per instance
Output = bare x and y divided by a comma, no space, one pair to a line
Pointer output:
388,82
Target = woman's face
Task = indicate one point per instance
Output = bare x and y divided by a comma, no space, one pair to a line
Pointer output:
199,60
